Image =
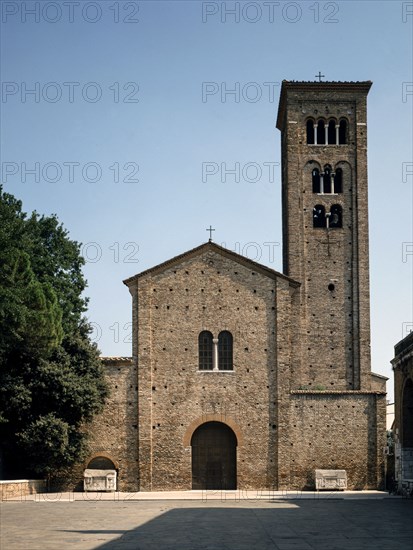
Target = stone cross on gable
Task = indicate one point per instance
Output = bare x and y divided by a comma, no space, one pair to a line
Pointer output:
210,232
320,76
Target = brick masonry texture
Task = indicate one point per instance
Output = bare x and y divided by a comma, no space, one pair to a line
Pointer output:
113,433
21,488
403,372
403,401
335,326
336,431
208,292
301,396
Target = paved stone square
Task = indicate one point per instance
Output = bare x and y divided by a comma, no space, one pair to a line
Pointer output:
334,523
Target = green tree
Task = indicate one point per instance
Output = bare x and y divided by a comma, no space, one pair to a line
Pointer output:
51,379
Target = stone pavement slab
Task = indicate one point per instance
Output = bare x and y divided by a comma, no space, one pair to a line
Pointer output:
235,495
245,524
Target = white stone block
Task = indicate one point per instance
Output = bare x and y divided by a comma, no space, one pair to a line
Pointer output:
99,480
331,479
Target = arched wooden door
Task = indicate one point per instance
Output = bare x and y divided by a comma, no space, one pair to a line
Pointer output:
214,457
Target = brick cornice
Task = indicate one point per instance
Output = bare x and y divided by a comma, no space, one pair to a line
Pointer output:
311,87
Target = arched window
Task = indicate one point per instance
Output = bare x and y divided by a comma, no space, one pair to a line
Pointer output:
101,463
336,216
327,179
319,216
342,132
310,131
225,350
316,180
338,181
332,132
205,350
321,133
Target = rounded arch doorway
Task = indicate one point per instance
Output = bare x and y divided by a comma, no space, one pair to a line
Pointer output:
101,463
214,457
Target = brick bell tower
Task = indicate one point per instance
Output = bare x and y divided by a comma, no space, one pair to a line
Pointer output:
325,229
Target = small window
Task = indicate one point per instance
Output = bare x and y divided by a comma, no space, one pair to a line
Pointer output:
316,180
321,133
225,350
205,350
342,132
336,216
319,216
338,181
327,179
310,131
332,132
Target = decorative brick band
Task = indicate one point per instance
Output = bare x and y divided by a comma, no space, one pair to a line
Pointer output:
223,418
102,454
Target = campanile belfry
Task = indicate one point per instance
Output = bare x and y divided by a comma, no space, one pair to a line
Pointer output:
325,227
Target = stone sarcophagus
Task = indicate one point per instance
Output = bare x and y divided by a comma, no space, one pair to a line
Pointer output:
331,479
99,480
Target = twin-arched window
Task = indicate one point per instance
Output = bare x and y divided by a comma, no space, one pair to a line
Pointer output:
215,353
327,182
330,220
323,132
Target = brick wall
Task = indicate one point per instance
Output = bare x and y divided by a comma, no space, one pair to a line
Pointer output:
335,431
19,488
208,292
403,400
335,325
114,433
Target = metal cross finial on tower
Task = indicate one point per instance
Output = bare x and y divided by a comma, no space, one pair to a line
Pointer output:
320,76
210,233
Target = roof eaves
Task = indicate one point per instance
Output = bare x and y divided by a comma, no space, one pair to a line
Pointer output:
221,250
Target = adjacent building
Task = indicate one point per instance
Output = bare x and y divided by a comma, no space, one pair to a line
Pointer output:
403,408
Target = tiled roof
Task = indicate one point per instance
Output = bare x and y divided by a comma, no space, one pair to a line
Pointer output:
113,359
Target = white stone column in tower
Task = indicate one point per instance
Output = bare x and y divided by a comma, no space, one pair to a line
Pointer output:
215,354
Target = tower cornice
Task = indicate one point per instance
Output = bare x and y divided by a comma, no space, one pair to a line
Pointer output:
310,86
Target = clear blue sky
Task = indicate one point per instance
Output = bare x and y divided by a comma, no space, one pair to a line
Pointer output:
119,97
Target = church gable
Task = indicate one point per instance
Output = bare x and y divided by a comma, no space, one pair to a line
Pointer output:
201,250
206,292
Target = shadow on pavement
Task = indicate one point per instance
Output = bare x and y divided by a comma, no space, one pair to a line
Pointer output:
299,525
